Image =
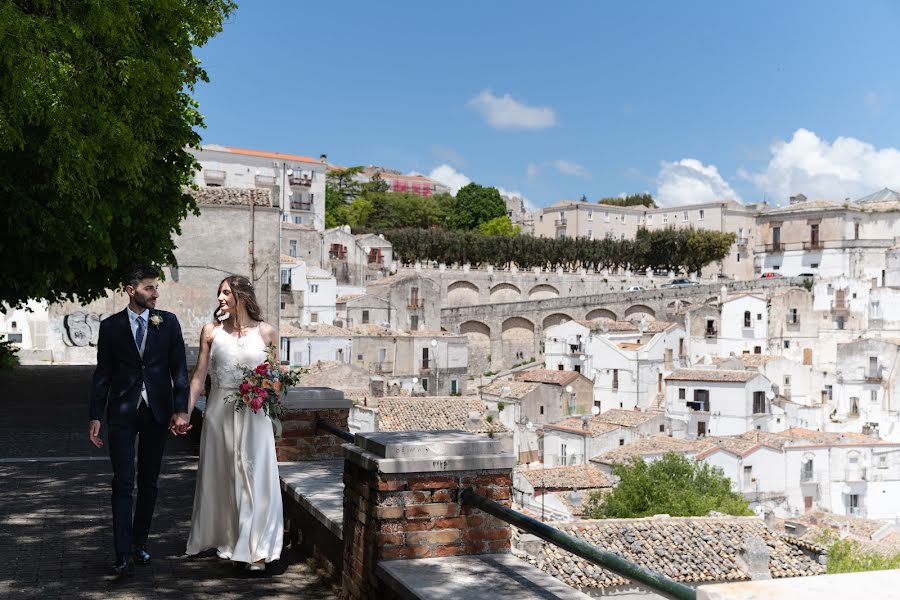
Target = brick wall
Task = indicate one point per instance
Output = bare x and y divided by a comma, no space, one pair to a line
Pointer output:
299,440
415,516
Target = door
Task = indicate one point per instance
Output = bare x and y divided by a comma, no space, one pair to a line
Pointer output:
807,503
701,428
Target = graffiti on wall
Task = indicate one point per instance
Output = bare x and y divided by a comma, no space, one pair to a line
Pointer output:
82,328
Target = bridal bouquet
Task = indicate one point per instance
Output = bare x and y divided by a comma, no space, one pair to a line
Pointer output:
263,386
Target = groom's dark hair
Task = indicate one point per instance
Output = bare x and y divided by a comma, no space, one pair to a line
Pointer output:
134,276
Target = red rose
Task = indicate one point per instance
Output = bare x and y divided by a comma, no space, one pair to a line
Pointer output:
262,369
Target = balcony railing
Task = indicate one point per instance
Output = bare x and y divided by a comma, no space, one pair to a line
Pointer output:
576,348
812,245
775,247
300,180
873,378
304,206
426,364
711,333
560,222
807,476
381,368
839,308
415,303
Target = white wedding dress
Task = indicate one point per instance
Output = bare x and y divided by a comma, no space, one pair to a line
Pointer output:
237,502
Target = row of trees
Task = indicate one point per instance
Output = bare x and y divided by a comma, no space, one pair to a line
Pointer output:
630,200
668,249
369,205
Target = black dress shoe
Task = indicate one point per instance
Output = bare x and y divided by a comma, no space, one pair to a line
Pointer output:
141,556
123,567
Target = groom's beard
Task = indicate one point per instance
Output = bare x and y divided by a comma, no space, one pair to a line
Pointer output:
145,302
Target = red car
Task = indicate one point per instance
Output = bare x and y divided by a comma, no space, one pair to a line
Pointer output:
770,275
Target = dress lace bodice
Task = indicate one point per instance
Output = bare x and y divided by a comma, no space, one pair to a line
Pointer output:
228,351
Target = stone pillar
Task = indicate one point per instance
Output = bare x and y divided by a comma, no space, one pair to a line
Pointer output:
303,405
401,500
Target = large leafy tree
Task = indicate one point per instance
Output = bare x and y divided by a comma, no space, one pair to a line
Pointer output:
630,200
96,115
499,226
672,485
475,205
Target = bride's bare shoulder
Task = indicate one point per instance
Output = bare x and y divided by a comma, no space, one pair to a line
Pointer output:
208,331
266,330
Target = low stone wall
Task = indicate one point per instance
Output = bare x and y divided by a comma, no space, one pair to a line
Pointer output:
303,407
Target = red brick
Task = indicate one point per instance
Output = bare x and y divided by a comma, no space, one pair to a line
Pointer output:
487,534
492,479
493,492
427,511
448,550
420,525
450,523
390,485
388,512
429,483
444,495
388,552
388,539
475,520
444,536
392,526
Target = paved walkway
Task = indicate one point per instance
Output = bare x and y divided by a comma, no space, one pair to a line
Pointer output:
55,522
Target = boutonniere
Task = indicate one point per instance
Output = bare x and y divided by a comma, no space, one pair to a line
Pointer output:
156,320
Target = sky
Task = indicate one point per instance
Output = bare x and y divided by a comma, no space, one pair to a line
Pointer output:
690,101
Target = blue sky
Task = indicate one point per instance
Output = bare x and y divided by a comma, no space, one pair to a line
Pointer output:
690,101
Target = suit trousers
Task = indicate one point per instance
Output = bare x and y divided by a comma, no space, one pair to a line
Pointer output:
151,438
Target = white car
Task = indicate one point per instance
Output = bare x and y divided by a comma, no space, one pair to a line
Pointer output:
637,288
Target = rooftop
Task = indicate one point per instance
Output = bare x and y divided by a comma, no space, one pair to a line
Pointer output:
719,375
231,196
570,477
610,326
548,376
800,436
506,388
748,360
433,413
686,549
261,153
314,330
649,446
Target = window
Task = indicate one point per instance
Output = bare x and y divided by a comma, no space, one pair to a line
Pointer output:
873,396
292,248
414,297
759,403
776,237
426,363
623,219
882,462
314,288
662,428
606,216
748,473
313,317
542,410
757,349
414,322
759,316
814,265
747,319
873,366
806,470
710,328
854,405
701,401
590,215
454,387
814,235
828,393
793,317
298,220
590,234
649,219
425,384
338,251
621,441
839,322
682,393
853,505
14,338
365,317
665,218
702,214
776,267
615,381
787,344
684,217
787,381
560,368
285,276
856,231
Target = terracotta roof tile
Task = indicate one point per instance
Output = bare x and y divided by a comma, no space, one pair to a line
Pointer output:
231,196
649,446
723,375
548,376
510,389
433,414
687,549
566,478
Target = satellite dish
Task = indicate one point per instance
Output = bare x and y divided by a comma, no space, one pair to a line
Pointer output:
415,380
290,172
770,395
581,357
569,388
529,426
433,342
595,410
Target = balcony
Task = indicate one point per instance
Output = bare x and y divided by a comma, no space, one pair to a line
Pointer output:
381,368
213,177
839,307
300,181
576,349
774,247
807,476
560,222
416,303
426,365
711,333
812,245
741,242
265,180
873,378
855,474
302,206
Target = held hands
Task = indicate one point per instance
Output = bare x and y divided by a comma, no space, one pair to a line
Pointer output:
179,425
94,434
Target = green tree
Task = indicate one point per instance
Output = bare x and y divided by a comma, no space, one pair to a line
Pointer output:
344,183
96,116
476,205
672,485
630,200
705,247
499,226
847,556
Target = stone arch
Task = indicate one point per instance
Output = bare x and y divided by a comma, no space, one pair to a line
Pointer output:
556,319
505,292
678,302
479,337
517,339
601,313
462,293
542,291
637,311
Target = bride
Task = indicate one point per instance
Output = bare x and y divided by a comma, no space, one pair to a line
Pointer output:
237,503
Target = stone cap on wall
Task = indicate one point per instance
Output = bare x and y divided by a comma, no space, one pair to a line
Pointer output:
311,398
428,452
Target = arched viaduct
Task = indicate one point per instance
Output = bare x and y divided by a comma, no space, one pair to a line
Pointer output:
510,332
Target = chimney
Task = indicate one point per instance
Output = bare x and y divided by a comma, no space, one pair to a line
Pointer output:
753,557
323,158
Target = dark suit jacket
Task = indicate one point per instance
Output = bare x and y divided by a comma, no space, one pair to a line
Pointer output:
121,370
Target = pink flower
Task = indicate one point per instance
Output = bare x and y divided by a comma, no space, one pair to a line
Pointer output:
256,404
258,391
245,387
262,369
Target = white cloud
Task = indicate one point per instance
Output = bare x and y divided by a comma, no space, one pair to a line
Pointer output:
505,112
454,180
450,177
564,167
844,168
689,181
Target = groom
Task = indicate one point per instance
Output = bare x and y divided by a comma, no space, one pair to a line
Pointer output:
141,383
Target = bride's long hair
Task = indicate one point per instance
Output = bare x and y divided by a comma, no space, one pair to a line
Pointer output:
243,290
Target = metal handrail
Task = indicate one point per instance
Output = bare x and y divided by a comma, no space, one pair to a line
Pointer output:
612,562
336,431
